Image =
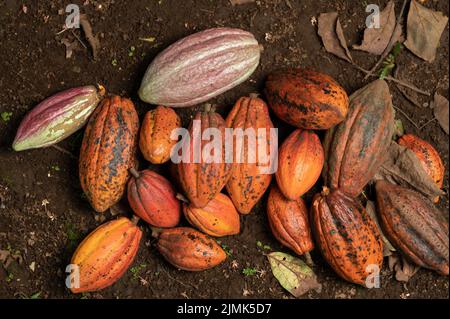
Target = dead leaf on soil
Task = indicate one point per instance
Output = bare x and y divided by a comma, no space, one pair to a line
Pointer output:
376,40
330,30
92,39
293,274
403,167
70,47
404,270
387,246
424,30
440,109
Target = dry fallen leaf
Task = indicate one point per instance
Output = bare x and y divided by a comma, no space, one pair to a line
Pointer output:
404,270
403,167
330,30
377,39
440,109
424,30
70,47
293,274
387,246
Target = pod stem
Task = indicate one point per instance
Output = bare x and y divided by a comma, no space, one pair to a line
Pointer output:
309,260
135,219
134,172
254,95
101,90
325,191
182,198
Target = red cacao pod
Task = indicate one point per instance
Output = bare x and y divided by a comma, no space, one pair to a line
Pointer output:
248,181
153,198
288,220
189,249
218,218
414,226
202,180
154,139
355,149
300,162
108,151
306,99
105,255
346,235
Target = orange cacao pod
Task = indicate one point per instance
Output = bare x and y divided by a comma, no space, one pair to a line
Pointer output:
288,220
346,235
153,198
355,149
108,151
154,138
105,255
248,181
300,162
218,218
414,226
189,249
202,180
306,99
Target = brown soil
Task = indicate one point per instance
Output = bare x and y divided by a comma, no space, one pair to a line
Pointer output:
33,66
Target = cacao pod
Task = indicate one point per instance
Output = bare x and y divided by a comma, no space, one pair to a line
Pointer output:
306,99
250,178
414,226
200,178
218,218
428,156
108,151
57,117
355,149
346,235
189,249
300,162
200,67
153,198
105,255
154,138
288,220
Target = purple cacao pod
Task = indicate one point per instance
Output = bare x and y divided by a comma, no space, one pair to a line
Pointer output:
57,117
200,67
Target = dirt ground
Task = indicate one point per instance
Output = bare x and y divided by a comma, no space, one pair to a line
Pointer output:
43,213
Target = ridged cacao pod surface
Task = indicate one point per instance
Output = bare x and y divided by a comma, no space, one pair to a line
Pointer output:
306,99
346,235
414,226
218,218
288,220
355,149
200,67
108,151
57,117
189,249
105,255
250,178
154,139
202,180
300,162
153,198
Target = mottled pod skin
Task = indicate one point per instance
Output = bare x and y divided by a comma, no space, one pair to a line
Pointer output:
57,117
428,156
300,162
218,218
414,226
108,151
355,149
154,139
346,235
200,67
288,220
105,255
248,181
200,180
306,99
189,249
153,198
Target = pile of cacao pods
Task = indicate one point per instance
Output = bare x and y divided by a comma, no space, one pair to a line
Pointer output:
194,70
